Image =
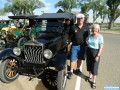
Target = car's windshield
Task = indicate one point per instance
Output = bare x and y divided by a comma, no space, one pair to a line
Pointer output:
49,26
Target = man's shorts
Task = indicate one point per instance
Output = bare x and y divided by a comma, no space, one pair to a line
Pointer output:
77,52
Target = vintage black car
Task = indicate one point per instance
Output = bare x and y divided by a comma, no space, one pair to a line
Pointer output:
45,53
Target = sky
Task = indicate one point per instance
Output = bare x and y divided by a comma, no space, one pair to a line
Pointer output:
50,9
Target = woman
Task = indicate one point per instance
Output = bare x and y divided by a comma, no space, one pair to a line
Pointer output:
94,49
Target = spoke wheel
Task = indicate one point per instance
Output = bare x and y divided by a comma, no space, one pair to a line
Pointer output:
8,69
50,79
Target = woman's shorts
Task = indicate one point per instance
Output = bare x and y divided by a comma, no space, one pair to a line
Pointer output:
92,65
77,52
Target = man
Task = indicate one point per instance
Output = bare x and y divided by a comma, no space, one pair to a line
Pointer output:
78,35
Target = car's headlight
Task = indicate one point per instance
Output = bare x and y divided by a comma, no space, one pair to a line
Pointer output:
48,54
17,51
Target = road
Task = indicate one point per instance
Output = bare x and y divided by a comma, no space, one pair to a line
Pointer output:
109,73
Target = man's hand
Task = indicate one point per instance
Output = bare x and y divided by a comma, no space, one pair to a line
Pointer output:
68,47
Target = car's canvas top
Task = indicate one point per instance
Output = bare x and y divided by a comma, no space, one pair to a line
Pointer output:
22,16
55,16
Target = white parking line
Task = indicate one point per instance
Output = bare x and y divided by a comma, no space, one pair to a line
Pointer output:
78,81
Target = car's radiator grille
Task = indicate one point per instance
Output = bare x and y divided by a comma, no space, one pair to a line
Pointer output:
33,54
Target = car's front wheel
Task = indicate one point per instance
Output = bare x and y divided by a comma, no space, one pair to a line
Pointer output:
8,70
62,78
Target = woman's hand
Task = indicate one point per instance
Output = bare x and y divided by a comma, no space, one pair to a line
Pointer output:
96,58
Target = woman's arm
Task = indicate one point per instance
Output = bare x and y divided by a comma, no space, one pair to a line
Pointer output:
99,52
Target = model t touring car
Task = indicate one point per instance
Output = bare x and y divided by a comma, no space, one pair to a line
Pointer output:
44,52
17,32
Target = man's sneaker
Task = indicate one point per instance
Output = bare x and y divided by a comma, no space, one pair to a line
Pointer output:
78,72
70,74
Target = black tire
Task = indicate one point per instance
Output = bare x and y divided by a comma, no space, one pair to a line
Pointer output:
21,41
8,70
62,78
50,79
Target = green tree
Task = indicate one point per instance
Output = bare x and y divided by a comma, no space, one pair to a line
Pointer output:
85,7
2,12
97,6
18,7
114,11
99,9
104,13
117,13
66,5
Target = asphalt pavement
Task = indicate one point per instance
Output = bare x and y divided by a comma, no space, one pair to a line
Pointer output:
109,68
109,71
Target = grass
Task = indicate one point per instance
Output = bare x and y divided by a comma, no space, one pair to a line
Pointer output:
113,29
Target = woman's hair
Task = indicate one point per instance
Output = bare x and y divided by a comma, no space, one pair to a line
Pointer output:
97,26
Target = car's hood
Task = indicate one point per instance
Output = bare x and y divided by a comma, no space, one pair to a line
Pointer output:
37,42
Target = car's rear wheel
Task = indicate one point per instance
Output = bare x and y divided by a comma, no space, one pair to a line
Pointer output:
8,70
62,78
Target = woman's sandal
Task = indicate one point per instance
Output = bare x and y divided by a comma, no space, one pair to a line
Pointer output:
93,85
87,79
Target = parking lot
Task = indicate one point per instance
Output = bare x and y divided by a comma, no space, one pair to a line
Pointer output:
108,71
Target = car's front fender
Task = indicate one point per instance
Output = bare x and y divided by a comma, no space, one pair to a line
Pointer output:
60,60
6,52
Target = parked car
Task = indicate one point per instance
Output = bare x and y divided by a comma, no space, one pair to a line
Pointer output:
17,32
24,26
4,23
43,53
